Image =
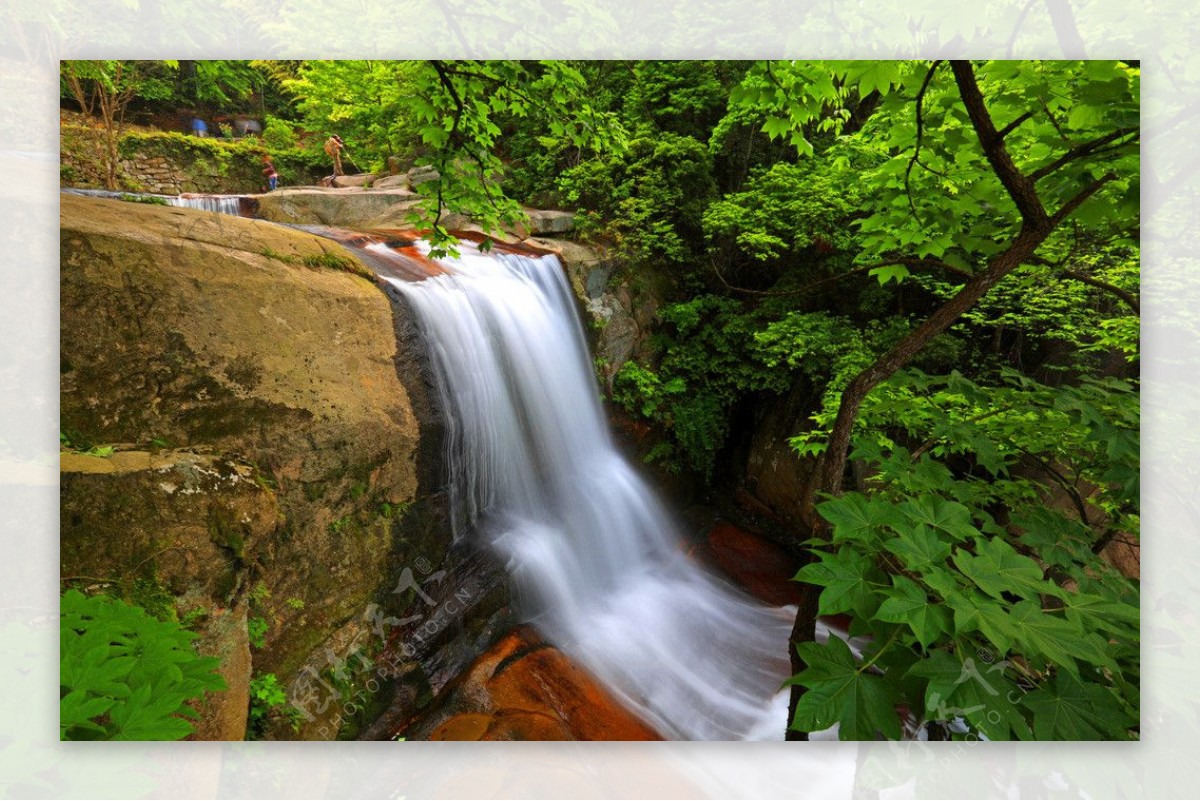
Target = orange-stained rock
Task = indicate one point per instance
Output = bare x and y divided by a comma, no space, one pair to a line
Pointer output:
523,688
759,566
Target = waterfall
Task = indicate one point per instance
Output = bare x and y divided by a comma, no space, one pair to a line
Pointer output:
222,204
597,561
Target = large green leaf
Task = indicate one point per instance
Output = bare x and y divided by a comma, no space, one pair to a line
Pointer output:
840,692
854,516
1047,636
998,568
909,606
1072,710
978,691
920,547
847,577
936,512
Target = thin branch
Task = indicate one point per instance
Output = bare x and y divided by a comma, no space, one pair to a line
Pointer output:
1124,295
908,262
1012,126
929,443
1069,207
1085,149
459,108
1054,122
916,156
1062,481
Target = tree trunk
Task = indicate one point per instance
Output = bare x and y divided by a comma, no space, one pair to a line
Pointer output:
827,477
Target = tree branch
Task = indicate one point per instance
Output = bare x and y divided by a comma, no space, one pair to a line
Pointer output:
1128,297
1124,295
1012,126
1019,187
1071,205
1068,487
1086,149
908,262
916,156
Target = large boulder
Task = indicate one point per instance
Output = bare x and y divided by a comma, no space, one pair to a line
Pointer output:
543,222
351,207
188,335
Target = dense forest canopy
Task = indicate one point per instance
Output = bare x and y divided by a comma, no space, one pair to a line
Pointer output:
941,256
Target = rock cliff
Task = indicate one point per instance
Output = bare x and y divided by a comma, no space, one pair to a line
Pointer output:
274,465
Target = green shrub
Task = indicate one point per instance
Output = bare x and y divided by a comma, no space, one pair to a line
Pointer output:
279,134
267,697
124,675
652,196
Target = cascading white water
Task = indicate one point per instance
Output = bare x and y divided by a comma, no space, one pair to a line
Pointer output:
222,204
598,563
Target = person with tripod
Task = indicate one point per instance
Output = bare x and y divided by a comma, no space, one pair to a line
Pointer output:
333,148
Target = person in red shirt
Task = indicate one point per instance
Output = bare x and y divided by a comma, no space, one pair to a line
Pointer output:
271,175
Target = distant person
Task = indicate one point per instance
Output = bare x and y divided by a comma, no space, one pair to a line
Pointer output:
270,173
199,128
333,148
243,126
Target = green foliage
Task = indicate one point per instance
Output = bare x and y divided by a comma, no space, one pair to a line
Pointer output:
367,103
258,595
708,362
327,261
125,675
452,116
257,625
1011,623
788,208
257,628
266,693
394,510
716,351
238,161
939,197
221,83
1046,306
151,200
279,134
184,148
460,108
268,698
651,196
78,444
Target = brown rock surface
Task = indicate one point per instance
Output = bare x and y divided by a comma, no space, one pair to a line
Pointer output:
758,566
523,688
227,346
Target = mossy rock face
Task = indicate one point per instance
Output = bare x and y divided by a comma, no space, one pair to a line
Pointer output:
169,531
188,335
